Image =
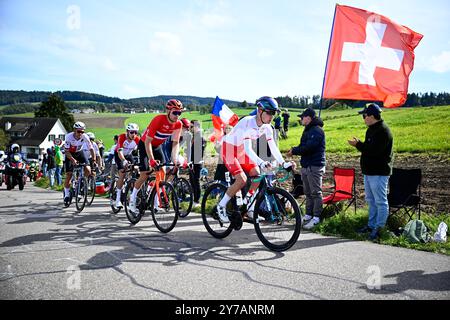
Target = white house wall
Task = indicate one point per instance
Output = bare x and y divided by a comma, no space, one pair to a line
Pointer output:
57,129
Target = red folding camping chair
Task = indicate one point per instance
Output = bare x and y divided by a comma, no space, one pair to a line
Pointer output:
344,188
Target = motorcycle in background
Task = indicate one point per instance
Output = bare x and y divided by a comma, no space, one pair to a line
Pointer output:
2,172
33,171
15,172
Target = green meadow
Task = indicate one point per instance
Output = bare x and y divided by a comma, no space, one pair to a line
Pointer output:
415,130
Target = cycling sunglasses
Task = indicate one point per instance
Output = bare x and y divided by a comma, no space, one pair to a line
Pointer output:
132,132
176,113
271,112
80,131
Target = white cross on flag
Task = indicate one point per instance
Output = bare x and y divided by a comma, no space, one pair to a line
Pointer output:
370,58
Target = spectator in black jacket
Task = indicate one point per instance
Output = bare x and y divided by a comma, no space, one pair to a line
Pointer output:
312,152
51,165
376,166
197,151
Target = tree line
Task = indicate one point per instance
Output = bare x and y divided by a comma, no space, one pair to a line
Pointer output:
426,99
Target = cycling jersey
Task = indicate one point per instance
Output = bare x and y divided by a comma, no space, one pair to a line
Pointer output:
237,149
73,145
87,153
126,145
160,128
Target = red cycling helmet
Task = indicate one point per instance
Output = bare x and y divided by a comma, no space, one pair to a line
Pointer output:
186,123
174,104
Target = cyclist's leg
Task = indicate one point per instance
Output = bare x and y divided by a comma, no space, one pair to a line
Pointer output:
69,173
232,157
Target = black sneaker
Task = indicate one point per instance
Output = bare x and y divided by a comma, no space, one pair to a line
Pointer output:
66,201
365,229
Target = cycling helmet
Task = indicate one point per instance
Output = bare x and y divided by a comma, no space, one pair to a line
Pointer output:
91,135
132,127
186,123
14,147
267,104
204,172
79,125
2,153
174,104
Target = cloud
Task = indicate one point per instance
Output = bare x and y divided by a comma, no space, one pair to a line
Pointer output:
131,90
440,63
265,53
166,43
213,20
81,43
109,65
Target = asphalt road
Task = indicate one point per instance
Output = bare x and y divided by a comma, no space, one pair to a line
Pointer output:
47,252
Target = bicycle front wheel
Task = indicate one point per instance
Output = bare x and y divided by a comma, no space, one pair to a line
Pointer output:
211,198
164,208
90,191
185,196
133,217
277,219
81,194
112,197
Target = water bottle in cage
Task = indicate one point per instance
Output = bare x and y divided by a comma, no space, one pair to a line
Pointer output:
239,198
227,177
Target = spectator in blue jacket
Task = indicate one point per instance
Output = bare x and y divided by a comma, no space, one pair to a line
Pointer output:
312,152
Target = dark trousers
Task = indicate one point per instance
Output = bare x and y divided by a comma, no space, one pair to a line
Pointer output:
194,178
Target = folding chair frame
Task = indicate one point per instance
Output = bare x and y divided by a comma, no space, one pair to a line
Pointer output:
409,210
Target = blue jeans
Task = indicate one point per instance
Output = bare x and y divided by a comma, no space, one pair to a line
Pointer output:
58,175
51,176
376,197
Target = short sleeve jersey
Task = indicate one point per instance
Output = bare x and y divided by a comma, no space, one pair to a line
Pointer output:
73,145
160,129
126,145
247,129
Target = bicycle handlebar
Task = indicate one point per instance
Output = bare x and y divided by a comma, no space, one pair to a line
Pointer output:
277,170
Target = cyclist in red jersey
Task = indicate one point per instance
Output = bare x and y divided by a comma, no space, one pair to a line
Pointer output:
150,145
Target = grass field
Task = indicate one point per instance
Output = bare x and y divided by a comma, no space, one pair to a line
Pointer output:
415,130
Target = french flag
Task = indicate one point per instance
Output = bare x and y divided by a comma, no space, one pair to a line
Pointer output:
221,117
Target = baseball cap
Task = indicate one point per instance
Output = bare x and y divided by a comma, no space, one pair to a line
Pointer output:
308,113
371,109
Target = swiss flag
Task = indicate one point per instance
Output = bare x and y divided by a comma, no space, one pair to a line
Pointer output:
370,58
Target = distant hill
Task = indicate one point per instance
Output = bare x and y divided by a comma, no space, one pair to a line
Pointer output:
186,100
13,97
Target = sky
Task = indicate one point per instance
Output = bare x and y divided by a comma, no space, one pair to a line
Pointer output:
234,49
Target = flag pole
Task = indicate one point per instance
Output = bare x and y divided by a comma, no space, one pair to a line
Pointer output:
326,64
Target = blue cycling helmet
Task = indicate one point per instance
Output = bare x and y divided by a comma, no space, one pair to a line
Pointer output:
204,172
267,104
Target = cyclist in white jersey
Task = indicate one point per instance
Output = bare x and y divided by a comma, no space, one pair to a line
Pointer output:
87,154
127,143
75,141
238,155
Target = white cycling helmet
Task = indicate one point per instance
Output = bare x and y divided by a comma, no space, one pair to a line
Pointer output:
14,146
132,127
91,135
79,125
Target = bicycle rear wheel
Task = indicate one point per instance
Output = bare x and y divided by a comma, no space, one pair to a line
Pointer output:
277,219
91,190
81,194
165,207
211,198
185,196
